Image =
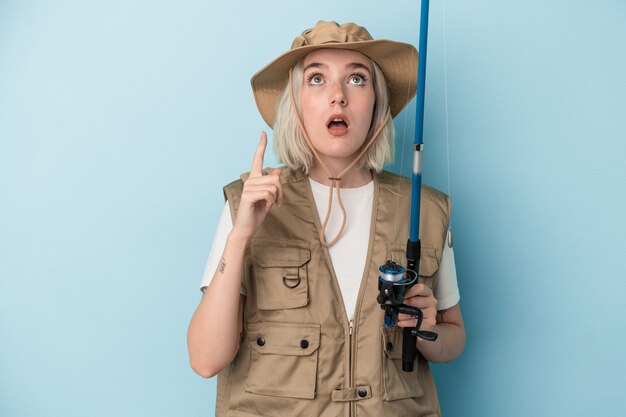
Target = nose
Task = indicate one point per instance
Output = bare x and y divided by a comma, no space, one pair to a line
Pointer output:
338,96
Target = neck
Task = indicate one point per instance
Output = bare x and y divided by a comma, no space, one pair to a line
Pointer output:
356,177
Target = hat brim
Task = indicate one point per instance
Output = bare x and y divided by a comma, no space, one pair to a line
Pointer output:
397,60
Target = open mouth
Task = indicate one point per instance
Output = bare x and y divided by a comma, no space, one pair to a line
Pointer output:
337,123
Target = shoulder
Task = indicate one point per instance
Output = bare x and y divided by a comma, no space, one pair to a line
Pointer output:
436,199
431,197
402,184
232,191
398,183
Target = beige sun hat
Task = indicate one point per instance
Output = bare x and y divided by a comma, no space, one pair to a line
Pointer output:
397,60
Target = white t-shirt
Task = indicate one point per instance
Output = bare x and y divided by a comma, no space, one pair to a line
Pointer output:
349,253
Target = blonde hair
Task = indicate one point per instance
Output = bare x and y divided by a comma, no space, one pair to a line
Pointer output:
291,146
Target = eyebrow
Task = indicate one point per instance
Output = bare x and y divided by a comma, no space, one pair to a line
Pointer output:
352,65
356,65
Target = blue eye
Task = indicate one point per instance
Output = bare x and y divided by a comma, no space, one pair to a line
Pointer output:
357,79
315,79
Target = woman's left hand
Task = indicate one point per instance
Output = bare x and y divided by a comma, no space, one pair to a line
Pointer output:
422,297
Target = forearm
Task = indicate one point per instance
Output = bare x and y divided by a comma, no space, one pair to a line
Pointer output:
450,340
214,331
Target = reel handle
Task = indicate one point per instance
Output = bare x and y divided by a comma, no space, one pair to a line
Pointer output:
426,335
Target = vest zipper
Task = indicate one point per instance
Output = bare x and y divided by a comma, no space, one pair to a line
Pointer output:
351,408
363,284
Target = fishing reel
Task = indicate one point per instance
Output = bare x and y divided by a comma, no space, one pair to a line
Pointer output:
393,283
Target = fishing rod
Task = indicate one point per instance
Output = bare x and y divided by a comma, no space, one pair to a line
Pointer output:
395,279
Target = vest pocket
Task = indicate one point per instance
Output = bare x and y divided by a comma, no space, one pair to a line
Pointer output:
429,263
280,273
397,384
283,359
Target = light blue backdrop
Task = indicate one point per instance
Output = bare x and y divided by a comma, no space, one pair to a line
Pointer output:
120,121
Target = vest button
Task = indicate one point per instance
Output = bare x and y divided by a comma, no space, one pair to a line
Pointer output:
260,341
304,344
389,346
362,392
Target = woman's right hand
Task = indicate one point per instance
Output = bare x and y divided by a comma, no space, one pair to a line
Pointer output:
260,193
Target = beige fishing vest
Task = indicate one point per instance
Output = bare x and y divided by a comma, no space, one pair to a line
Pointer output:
299,355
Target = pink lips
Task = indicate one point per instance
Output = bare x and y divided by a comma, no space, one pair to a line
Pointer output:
338,124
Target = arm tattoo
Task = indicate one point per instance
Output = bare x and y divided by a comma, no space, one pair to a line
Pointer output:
222,266
440,314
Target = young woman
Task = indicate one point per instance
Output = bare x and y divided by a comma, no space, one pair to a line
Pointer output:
289,317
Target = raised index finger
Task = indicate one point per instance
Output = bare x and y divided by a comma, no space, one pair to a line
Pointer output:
257,160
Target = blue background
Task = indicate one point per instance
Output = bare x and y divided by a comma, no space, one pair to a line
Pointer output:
121,120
